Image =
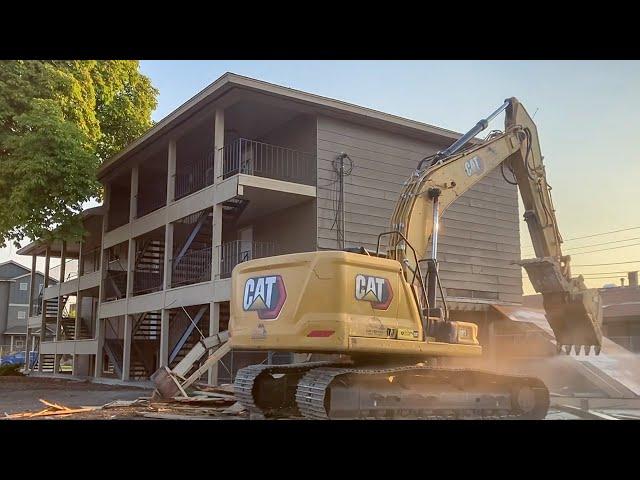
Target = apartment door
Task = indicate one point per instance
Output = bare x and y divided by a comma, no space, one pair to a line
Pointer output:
245,236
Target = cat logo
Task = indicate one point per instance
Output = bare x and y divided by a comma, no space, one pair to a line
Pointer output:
265,295
473,166
376,290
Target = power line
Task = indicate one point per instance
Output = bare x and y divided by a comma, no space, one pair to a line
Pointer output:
529,247
604,243
606,264
596,244
606,249
603,233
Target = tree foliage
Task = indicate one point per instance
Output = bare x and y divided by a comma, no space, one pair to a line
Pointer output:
58,121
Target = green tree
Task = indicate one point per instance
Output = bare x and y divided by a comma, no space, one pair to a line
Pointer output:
58,121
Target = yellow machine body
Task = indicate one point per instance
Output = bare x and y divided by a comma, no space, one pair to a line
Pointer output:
334,302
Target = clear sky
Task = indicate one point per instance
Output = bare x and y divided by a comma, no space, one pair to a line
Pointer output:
587,113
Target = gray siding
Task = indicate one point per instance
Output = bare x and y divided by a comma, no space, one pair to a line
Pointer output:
480,236
18,296
10,270
293,229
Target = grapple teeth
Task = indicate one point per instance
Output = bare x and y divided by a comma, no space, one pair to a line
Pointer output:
597,349
558,348
587,349
577,349
567,349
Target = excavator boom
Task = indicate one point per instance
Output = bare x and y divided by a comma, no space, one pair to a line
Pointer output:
573,311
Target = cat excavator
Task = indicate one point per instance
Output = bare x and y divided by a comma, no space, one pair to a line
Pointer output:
382,315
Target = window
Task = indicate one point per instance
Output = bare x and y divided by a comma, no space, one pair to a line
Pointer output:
23,286
22,314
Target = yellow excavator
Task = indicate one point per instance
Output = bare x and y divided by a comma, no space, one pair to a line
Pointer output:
383,315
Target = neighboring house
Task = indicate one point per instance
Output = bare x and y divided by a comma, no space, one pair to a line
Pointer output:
248,169
14,302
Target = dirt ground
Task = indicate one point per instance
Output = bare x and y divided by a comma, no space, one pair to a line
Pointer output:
21,394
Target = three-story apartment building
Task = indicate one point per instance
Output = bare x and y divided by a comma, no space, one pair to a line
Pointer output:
248,169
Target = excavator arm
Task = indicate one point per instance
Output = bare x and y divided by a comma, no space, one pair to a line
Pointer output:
573,311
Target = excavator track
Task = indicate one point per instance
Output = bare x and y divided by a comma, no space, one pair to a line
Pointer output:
414,392
325,390
264,395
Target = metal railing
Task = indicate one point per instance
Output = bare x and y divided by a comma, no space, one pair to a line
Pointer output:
147,282
147,203
193,267
70,270
91,260
264,160
117,217
194,176
115,285
238,251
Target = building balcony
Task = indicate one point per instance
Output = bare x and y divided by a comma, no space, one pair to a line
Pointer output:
192,267
238,251
251,157
194,175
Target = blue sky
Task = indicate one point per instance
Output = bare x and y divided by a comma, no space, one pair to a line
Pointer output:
587,113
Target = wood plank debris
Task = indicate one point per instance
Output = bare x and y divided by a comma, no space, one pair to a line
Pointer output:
53,409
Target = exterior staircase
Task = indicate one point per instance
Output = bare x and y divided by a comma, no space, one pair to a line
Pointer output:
192,260
182,333
48,363
149,267
68,329
233,208
115,285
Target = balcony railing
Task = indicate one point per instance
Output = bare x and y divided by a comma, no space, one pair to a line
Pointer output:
70,270
147,203
238,251
264,160
193,267
194,176
147,282
91,261
115,285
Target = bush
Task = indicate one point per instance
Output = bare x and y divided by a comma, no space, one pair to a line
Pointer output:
10,370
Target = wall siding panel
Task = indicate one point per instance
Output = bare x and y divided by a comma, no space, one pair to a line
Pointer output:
480,236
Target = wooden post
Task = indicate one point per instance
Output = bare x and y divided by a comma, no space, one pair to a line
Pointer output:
131,266
168,255
63,260
43,322
214,327
32,287
171,171
126,347
164,337
100,334
133,202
